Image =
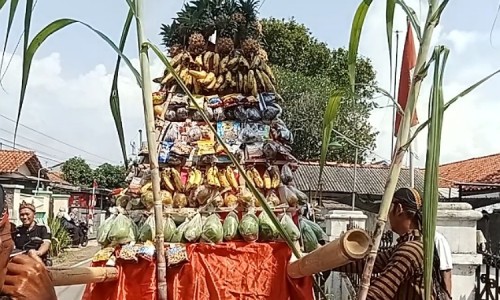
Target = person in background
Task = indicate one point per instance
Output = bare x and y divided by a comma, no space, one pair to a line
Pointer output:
445,259
24,276
400,268
30,229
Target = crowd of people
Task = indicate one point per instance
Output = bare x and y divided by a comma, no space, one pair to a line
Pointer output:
400,269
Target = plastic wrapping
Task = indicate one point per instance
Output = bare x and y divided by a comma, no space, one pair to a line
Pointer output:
230,226
290,228
286,174
218,114
148,230
282,133
179,200
246,198
169,229
171,115
301,196
121,231
318,231
194,134
272,199
103,231
230,200
193,229
287,196
212,230
172,133
178,235
268,232
271,112
309,239
253,114
166,198
182,113
240,113
147,200
249,227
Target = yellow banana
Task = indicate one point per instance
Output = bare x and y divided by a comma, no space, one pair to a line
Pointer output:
223,65
240,82
231,177
267,180
207,80
275,177
211,177
255,62
267,83
212,84
196,86
206,60
176,60
215,65
176,176
232,63
199,60
165,176
167,78
198,177
183,73
220,81
191,182
198,74
269,73
244,85
147,186
259,182
224,183
244,63
250,176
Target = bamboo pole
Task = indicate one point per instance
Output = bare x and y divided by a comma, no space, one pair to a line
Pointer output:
82,275
161,266
401,145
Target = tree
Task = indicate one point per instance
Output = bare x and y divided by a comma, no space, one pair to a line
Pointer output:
109,176
308,72
76,171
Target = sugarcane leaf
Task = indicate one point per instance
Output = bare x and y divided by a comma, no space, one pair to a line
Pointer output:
233,159
412,16
431,194
329,117
389,25
386,94
356,28
2,3
131,6
449,103
114,97
37,42
12,14
437,14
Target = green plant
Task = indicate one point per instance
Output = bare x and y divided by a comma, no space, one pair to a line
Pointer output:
60,237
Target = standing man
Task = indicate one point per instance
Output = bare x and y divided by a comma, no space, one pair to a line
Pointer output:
445,259
30,229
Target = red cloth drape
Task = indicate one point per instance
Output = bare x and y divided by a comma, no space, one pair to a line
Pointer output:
227,271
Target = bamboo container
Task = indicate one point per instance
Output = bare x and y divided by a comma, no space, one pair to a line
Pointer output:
352,245
82,275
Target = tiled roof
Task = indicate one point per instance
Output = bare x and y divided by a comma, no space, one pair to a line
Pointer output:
485,169
12,160
57,177
370,179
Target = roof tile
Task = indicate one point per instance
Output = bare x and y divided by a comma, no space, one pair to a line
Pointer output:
12,160
485,169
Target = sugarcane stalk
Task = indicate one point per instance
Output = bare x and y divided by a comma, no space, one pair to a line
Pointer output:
399,153
161,267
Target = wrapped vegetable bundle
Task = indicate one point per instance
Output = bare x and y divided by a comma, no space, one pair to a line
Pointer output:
290,228
249,227
268,232
308,237
148,230
230,226
169,229
212,230
318,231
121,231
193,229
178,235
103,231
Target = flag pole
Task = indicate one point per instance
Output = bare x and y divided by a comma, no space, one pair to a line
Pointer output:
394,91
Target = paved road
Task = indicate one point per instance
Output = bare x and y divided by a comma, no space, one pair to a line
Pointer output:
73,292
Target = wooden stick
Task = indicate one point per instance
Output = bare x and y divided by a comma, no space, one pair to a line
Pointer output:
82,275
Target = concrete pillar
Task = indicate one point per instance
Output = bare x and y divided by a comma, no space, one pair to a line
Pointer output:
336,223
457,222
42,202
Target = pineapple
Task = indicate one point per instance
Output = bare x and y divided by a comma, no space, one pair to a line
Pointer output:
249,34
172,38
197,44
226,28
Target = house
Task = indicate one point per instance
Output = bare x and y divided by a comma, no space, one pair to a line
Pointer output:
339,185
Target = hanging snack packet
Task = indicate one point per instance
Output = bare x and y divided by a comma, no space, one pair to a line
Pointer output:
176,254
212,230
249,227
230,226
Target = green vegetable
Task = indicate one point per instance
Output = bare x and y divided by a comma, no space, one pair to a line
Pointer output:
230,226
249,227
308,237
148,230
178,236
121,231
193,229
290,228
103,231
268,232
318,231
212,230
169,229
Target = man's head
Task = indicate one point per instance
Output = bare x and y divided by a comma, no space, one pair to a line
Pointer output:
27,213
6,244
406,211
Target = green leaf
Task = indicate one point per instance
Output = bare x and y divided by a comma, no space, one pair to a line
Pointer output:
412,16
329,117
356,28
37,42
437,14
12,13
2,3
389,25
449,103
431,193
114,97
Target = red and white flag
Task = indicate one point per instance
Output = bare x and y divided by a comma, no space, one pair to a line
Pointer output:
92,200
407,68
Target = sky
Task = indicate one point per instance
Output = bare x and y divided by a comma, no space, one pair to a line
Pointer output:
66,111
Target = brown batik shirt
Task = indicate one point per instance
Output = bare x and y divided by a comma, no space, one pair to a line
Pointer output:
399,270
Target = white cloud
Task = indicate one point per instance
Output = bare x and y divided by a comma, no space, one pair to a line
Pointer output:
470,126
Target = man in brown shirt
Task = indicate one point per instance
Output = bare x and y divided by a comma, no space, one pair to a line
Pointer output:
400,269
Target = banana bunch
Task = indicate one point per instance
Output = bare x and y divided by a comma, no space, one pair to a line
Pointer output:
212,176
171,179
231,177
255,178
195,178
274,172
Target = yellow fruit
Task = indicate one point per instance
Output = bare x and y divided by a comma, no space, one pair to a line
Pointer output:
269,73
255,62
176,60
216,62
191,182
176,176
223,65
275,177
232,63
250,176
259,182
206,59
165,176
211,86
198,177
230,200
231,177
146,187
158,110
199,60
267,180
211,177
208,79
224,183
167,78
198,74
244,63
